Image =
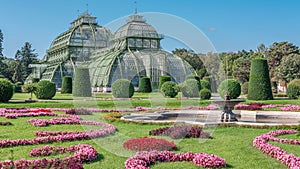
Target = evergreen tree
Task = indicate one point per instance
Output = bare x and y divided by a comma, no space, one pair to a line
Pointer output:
17,76
28,57
1,41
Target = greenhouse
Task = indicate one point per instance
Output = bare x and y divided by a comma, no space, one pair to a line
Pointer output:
71,48
136,52
133,51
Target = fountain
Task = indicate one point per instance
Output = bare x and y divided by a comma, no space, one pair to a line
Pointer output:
227,105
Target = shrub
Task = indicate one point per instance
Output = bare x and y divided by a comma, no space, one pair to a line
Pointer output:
18,87
35,80
79,112
177,132
205,94
293,90
82,84
122,88
148,144
190,88
66,84
194,77
163,79
245,88
231,87
145,85
205,84
6,90
29,88
170,89
45,90
113,116
259,84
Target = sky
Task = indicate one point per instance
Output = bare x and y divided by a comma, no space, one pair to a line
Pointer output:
228,25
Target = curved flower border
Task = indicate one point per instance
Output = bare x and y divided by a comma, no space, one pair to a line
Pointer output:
284,157
144,159
82,153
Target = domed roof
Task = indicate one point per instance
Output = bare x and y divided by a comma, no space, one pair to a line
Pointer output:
136,26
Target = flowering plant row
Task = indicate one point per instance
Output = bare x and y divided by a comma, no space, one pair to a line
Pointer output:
262,106
177,132
82,153
144,159
148,144
284,157
79,111
54,121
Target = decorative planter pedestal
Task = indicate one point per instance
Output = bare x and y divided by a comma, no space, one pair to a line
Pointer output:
227,106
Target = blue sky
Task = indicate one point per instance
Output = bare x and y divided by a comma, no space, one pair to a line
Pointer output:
230,25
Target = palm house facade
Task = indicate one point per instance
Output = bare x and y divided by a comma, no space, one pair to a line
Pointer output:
133,51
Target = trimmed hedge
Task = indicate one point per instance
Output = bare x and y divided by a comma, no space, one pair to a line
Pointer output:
6,90
170,89
231,87
259,84
66,84
190,88
82,84
245,88
293,89
205,94
122,88
45,90
163,79
193,77
145,85
205,84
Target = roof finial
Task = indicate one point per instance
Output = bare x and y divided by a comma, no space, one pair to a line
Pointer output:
87,8
135,11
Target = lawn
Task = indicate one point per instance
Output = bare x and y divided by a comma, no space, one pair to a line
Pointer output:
234,144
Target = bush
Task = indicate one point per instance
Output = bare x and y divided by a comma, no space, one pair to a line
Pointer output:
145,85
194,77
190,88
205,94
170,89
205,84
29,88
82,84
6,90
148,144
66,84
122,88
178,132
35,80
259,84
245,88
231,87
113,116
45,90
163,79
18,87
293,89
79,112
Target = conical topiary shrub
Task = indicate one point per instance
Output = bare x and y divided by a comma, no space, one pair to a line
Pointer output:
82,84
66,86
259,85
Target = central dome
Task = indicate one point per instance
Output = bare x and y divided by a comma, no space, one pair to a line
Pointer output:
136,27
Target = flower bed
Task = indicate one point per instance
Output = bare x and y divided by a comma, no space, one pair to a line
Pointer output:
148,144
262,106
82,153
177,132
144,159
290,160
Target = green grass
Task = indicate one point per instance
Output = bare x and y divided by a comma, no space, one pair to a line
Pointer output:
234,144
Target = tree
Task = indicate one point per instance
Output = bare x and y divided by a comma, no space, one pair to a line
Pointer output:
289,67
241,69
17,75
29,88
28,57
275,54
1,41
